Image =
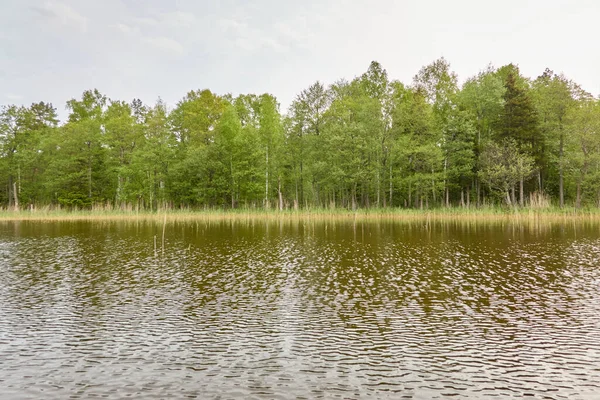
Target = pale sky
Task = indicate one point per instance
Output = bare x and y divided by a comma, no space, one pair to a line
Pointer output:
54,50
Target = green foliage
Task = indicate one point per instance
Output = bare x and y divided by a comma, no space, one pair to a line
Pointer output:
365,143
583,155
503,165
459,145
519,119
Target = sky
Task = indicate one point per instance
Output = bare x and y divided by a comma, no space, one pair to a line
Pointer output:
53,50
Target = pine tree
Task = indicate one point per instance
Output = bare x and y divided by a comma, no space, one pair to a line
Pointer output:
519,122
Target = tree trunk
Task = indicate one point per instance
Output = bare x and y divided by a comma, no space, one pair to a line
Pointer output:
90,170
469,198
561,189
296,199
433,186
267,179
280,195
578,200
301,198
18,179
10,191
462,198
391,185
90,180
508,198
232,182
418,198
317,194
333,204
16,196
378,187
446,180
521,200
513,195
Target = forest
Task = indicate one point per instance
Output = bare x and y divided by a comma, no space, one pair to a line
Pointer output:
498,139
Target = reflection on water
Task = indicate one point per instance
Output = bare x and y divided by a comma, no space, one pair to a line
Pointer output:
299,309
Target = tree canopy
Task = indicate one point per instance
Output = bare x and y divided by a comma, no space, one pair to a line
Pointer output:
498,138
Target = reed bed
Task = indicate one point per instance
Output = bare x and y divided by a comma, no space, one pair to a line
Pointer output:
485,214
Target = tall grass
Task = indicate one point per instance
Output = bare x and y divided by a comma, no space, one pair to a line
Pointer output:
539,201
538,208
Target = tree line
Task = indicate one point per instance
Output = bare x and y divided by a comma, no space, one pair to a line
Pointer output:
499,138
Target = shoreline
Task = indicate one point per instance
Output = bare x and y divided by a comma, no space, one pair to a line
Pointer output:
381,214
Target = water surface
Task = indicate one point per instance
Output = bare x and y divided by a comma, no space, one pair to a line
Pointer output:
299,310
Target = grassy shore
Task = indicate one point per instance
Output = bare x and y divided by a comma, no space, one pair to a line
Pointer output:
400,214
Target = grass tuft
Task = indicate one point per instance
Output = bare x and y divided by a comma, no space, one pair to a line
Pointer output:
538,210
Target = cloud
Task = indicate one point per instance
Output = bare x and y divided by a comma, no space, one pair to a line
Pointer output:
13,97
63,15
287,30
248,38
296,33
173,19
161,30
178,19
165,43
127,29
144,21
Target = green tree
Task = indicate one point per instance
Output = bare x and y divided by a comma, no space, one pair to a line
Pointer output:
519,122
371,141
80,151
122,135
459,147
583,143
555,96
156,153
377,86
194,121
482,96
22,131
439,85
350,142
230,152
270,133
305,124
503,165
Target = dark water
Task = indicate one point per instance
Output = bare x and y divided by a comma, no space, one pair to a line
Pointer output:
299,310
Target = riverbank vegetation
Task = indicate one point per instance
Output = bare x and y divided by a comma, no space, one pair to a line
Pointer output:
185,215
500,143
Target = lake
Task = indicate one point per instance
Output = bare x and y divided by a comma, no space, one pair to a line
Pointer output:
299,309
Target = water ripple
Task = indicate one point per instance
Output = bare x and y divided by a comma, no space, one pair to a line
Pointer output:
298,310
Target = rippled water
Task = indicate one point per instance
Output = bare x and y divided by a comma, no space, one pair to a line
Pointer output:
305,310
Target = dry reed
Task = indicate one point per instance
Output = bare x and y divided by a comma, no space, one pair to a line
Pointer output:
536,211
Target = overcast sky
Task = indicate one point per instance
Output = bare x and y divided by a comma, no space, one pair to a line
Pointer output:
54,50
